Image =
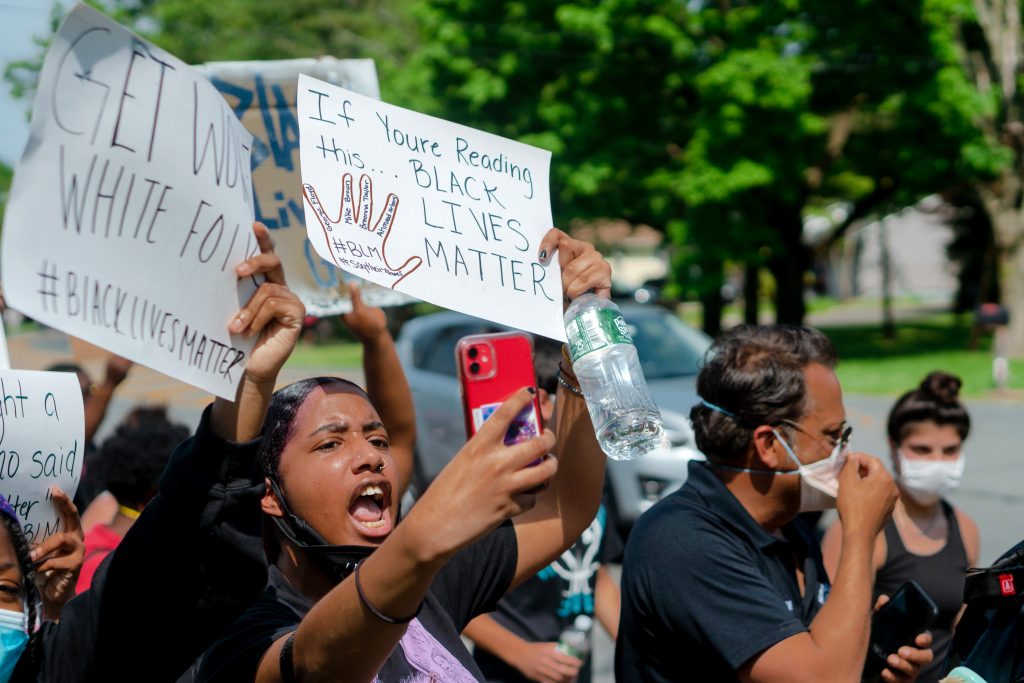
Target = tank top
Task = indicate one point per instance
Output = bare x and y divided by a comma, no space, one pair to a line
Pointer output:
940,575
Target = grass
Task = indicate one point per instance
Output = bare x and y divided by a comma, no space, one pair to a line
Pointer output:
334,354
871,364
690,312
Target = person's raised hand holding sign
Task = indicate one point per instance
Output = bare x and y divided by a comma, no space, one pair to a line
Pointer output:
386,383
583,267
275,314
59,557
367,323
351,238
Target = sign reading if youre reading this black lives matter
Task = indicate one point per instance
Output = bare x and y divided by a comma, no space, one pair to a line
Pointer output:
434,209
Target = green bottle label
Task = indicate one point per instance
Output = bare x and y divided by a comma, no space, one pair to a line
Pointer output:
595,329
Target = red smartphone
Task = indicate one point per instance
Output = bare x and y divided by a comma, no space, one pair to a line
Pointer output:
491,368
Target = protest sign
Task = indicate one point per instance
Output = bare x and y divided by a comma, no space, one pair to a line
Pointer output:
42,436
131,206
5,358
262,95
449,214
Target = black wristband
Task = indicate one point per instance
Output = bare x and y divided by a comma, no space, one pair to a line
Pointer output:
284,660
376,612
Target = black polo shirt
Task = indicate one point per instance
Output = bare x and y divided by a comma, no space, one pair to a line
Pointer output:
705,587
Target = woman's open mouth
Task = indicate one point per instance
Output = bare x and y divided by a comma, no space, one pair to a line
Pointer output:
371,510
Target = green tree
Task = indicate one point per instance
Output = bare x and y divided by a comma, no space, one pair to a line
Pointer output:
6,174
226,30
992,59
723,123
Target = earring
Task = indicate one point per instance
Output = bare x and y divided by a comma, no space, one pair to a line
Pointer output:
380,468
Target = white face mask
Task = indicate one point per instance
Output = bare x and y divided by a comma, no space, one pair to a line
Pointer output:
926,481
819,482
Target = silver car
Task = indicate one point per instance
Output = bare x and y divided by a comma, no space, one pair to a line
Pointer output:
670,352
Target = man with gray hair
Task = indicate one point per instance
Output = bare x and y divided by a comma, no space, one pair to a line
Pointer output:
722,581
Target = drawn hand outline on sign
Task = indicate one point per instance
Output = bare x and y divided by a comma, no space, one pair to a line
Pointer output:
360,247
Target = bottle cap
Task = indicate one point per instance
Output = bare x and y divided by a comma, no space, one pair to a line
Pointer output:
583,623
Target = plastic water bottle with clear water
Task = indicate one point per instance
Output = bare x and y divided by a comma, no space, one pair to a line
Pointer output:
575,639
626,421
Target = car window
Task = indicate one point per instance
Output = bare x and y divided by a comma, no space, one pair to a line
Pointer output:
439,349
667,347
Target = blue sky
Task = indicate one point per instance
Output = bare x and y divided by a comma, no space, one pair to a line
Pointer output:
19,21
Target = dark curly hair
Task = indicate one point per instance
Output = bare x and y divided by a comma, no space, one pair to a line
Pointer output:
278,427
546,356
936,400
130,461
756,373
29,591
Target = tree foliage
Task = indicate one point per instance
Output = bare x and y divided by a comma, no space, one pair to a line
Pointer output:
723,123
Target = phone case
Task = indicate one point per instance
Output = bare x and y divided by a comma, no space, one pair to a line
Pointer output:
491,368
909,612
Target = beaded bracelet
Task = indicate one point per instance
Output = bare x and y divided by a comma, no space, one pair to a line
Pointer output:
573,389
376,612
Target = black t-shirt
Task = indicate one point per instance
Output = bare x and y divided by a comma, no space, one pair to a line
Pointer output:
705,588
470,584
182,574
544,605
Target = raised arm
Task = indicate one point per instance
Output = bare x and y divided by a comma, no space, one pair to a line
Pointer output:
100,395
385,381
59,558
835,646
832,545
194,555
275,314
566,508
485,484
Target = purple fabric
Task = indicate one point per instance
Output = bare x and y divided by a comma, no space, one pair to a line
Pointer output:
6,509
429,659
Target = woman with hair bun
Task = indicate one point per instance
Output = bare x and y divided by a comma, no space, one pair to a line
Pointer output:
927,539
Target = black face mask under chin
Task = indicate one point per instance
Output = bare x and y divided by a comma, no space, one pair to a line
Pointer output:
337,561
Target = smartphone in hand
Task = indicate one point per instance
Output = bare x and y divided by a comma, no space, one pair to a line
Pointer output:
491,368
898,622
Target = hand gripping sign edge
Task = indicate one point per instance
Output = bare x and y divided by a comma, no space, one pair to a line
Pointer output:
357,214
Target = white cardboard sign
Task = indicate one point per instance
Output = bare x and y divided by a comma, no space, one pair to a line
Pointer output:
443,212
5,358
42,437
262,95
131,206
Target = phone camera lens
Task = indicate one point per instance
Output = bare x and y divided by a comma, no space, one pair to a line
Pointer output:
474,368
473,352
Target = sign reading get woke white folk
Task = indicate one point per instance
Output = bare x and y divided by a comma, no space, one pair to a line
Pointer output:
42,437
132,205
443,212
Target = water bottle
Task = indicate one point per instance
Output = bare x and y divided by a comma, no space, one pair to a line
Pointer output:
626,421
575,639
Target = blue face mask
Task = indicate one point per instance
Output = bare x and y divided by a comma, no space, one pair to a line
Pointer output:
13,640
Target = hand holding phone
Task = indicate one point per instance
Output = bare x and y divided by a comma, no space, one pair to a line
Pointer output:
491,368
897,623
